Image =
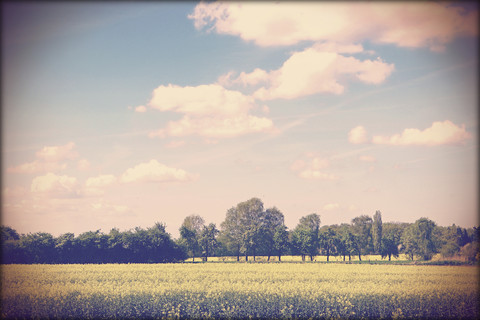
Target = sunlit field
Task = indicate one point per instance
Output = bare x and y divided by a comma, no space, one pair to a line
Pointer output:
239,290
354,258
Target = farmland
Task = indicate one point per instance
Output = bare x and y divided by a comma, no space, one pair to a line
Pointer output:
239,290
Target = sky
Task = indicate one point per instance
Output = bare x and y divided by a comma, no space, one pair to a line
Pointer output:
123,114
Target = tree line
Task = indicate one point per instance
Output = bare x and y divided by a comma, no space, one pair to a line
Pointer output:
248,230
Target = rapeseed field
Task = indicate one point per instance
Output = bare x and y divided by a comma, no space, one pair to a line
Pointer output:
239,290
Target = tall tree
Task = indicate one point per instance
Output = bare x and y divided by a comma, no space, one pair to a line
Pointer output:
280,240
208,240
362,228
424,228
305,236
252,219
328,241
273,218
232,231
190,231
377,232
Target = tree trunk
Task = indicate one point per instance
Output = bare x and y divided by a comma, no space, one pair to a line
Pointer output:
343,258
349,257
246,256
279,258
389,257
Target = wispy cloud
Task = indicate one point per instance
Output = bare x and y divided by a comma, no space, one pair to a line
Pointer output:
49,159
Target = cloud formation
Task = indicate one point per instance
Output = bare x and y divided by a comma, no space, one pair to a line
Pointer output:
209,111
49,159
440,133
318,69
312,168
153,171
358,135
55,186
419,24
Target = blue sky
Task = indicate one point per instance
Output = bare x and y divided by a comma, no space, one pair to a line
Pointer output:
124,114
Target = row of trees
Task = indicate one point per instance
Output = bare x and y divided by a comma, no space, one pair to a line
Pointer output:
152,245
248,230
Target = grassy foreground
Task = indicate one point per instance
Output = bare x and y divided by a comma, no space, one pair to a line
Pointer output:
239,290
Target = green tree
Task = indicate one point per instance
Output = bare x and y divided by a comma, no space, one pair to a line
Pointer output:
231,231
273,218
377,232
418,239
208,240
190,231
305,236
280,240
362,228
424,228
388,248
250,217
328,241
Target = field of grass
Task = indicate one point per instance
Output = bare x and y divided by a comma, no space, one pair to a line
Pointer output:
239,290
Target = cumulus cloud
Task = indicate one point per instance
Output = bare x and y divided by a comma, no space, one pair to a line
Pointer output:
440,133
55,186
312,168
311,71
358,135
209,110
417,24
154,171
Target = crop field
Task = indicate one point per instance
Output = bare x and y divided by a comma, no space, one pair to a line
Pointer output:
239,290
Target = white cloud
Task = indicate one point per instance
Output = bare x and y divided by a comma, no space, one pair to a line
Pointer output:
49,159
440,133
405,24
312,168
154,171
358,135
55,186
312,71
203,100
209,110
